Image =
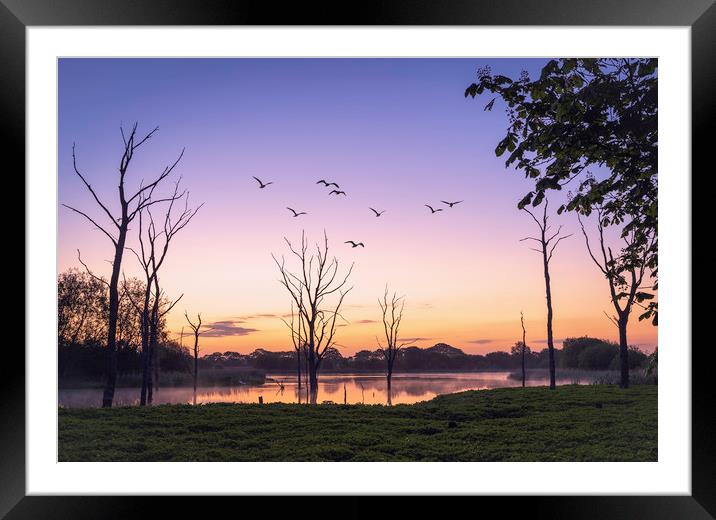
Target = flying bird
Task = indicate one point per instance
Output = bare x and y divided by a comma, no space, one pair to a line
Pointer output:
451,204
296,214
431,208
354,244
328,184
377,213
262,185
337,192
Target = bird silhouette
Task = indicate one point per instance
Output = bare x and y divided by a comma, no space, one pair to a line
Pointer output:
431,208
295,213
451,204
337,192
354,244
262,185
327,184
377,213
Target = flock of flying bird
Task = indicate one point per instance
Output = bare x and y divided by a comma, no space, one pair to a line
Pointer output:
337,191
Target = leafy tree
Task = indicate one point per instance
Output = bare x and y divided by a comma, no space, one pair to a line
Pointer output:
81,308
624,274
581,114
598,356
516,349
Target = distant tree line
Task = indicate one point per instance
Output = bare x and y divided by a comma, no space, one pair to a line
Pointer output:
82,308
584,353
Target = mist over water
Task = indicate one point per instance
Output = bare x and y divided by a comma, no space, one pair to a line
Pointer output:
359,389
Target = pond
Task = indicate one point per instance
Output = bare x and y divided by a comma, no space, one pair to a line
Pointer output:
359,388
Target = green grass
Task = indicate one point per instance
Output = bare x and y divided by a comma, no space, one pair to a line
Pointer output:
572,423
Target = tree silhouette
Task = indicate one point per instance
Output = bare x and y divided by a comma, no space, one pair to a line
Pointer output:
130,205
298,338
392,311
580,113
81,308
523,347
196,329
312,290
625,274
547,244
151,253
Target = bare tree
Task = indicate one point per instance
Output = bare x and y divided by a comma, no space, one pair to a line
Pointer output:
196,329
392,310
547,244
130,205
310,290
152,251
151,328
624,275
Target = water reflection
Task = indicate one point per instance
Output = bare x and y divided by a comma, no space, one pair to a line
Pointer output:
353,388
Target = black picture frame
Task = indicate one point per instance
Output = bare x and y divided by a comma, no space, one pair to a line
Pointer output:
16,15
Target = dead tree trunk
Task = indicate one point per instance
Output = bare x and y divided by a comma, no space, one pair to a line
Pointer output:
153,372
546,249
622,322
144,325
196,329
312,381
524,347
129,205
145,349
550,315
299,341
151,253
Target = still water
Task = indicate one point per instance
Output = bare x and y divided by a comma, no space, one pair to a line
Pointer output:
358,388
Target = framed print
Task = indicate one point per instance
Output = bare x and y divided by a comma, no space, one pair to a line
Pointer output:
412,252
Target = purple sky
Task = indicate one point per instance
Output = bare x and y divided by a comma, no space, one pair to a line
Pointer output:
394,133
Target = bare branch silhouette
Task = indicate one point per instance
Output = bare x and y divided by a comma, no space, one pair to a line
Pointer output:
129,206
196,329
392,311
316,280
153,248
547,245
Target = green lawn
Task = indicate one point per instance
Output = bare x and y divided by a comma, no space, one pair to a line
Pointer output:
572,423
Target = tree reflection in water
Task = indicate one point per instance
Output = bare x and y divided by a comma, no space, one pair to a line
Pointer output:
359,389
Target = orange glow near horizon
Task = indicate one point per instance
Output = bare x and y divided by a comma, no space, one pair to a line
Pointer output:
395,134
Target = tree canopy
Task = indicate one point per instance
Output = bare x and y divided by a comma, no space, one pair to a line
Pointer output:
591,121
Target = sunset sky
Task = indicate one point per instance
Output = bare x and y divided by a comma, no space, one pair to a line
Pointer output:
394,133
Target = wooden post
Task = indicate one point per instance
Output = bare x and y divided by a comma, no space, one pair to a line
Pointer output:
261,399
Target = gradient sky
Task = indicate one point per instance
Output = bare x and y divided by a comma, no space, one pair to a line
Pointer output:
394,133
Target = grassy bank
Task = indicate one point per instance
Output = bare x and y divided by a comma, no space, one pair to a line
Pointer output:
572,423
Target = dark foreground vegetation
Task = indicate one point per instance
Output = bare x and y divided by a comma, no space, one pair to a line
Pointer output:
571,423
